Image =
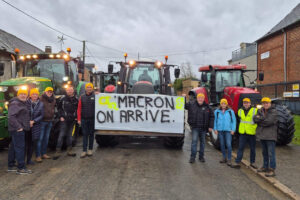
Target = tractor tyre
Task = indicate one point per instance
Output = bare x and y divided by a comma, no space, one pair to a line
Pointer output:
107,140
214,139
174,142
286,125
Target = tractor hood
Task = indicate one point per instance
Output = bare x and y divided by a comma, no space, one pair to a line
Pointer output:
23,81
235,96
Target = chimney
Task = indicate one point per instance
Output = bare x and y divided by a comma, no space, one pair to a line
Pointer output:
48,49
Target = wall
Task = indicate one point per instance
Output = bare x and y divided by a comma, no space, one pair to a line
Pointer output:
4,58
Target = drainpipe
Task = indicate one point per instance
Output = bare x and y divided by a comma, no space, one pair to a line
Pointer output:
284,57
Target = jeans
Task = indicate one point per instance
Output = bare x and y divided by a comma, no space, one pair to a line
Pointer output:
225,138
42,143
198,133
66,129
88,130
268,152
243,140
29,145
17,149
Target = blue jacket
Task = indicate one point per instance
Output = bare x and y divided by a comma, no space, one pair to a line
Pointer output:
223,121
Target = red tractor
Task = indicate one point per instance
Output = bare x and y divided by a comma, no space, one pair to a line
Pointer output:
227,82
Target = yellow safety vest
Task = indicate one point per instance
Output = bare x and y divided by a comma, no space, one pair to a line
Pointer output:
247,124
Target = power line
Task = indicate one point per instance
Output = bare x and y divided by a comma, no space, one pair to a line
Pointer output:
91,55
100,45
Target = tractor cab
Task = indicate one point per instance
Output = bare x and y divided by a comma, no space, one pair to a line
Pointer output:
60,68
142,77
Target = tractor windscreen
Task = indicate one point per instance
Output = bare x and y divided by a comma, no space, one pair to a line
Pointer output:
145,73
228,78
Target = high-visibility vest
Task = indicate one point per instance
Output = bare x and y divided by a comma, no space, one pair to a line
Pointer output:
247,124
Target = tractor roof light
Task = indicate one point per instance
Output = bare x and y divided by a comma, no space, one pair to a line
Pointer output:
65,78
125,55
35,56
24,87
22,57
132,63
158,64
17,50
69,50
66,56
166,58
58,56
28,56
51,56
119,83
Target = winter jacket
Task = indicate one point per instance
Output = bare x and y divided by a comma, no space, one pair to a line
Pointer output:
86,107
18,115
225,121
67,108
266,124
199,116
36,112
49,107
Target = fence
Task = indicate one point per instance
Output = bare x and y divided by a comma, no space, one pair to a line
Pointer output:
286,92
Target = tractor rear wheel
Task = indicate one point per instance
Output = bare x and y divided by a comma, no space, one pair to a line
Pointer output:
174,142
286,125
107,140
4,142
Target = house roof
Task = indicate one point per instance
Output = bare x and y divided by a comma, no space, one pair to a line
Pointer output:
9,42
292,18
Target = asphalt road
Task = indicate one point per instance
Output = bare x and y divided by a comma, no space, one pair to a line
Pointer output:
136,169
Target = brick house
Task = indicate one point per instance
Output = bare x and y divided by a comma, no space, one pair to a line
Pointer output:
278,51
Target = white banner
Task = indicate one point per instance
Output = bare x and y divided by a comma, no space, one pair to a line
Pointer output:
137,112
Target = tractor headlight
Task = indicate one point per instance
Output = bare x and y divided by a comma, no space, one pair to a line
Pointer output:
6,105
258,106
3,88
65,78
158,64
132,63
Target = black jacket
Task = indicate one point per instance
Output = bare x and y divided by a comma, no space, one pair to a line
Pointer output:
200,116
36,114
67,108
266,124
18,115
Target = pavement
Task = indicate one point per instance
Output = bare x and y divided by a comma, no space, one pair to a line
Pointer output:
138,168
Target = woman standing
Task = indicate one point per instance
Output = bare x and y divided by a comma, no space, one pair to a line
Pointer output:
225,126
36,109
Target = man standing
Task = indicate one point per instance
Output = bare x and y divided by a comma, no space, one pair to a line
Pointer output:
201,120
18,123
67,111
49,102
247,130
266,131
86,117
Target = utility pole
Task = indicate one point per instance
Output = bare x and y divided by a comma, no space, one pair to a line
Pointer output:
83,59
138,56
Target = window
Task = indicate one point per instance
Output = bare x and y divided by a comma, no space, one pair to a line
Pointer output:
145,72
228,78
1,69
73,71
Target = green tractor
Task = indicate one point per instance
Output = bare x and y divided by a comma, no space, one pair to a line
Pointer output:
41,70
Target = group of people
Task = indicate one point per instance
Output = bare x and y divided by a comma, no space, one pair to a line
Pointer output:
253,124
30,119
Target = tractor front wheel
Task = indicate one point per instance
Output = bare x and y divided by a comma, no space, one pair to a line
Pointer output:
174,142
286,125
107,140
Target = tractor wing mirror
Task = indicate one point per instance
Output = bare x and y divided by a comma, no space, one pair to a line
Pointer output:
176,73
261,76
110,68
203,77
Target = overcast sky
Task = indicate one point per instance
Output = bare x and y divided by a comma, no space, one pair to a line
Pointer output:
153,28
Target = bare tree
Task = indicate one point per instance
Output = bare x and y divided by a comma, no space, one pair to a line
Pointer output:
186,70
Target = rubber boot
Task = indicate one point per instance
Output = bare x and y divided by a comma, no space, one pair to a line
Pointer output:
57,155
70,152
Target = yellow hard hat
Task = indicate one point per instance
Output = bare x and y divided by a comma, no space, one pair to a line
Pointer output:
246,100
200,95
224,101
22,91
48,89
266,99
89,84
34,91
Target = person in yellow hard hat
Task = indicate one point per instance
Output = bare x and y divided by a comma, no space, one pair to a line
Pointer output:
224,127
18,123
266,132
200,118
49,102
247,130
86,117
36,110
